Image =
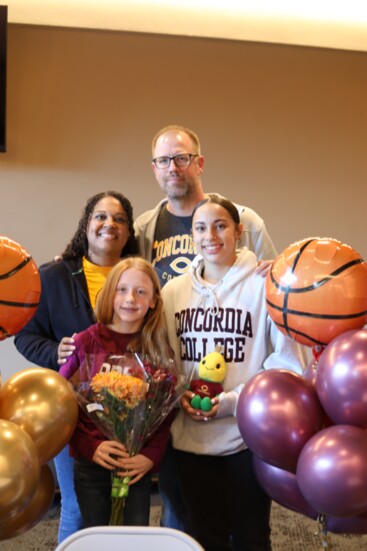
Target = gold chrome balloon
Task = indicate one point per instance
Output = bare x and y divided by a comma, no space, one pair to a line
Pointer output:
19,469
43,404
35,510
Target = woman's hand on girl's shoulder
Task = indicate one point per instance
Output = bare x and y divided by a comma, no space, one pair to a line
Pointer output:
65,349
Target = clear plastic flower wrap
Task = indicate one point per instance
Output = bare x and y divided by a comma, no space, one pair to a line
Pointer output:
127,398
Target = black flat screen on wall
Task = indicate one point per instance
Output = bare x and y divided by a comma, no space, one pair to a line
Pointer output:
3,42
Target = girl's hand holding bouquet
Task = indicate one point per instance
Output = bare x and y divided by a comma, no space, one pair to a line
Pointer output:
108,454
135,467
112,455
128,400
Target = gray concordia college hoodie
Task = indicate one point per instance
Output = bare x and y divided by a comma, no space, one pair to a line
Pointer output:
231,314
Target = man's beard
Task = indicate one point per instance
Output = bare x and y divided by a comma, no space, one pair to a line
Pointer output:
173,191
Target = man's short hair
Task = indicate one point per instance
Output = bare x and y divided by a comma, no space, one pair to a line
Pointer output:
177,128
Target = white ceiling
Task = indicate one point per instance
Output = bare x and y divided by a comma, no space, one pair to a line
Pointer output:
340,24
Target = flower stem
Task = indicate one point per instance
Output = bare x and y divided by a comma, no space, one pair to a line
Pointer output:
120,490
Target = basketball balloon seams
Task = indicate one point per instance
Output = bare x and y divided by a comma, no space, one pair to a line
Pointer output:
11,273
20,287
317,289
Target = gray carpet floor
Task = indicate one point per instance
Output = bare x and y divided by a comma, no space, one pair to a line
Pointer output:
290,532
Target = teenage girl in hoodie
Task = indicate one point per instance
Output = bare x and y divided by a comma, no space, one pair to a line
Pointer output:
221,303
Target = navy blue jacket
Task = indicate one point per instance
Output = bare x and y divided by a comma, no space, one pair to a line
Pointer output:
64,309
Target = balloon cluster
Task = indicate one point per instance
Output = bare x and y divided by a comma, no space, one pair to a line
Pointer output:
38,414
309,433
38,409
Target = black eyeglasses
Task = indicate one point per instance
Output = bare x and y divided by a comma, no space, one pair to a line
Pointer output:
182,160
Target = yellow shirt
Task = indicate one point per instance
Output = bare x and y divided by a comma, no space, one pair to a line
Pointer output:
95,276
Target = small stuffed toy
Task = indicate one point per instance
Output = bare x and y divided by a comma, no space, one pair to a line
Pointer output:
212,371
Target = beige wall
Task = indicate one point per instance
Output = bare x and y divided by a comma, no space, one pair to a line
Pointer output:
283,130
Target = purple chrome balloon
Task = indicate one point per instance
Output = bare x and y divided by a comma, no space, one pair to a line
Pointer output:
282,487
332,471
341,379
350,525
278,411
310,372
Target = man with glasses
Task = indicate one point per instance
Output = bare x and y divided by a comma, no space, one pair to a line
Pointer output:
164,235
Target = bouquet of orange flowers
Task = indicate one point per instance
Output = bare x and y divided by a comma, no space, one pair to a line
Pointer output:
127,399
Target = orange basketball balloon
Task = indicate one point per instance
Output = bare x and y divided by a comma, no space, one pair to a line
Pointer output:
20,287
316,290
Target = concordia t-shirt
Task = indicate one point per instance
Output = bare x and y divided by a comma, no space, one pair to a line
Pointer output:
173,247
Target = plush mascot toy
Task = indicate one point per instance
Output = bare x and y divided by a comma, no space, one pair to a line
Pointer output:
212,371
